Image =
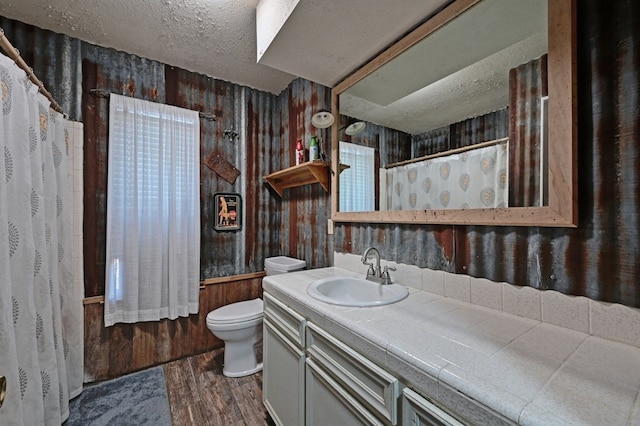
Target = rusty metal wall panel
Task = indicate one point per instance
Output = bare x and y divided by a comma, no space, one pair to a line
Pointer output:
430,142
55,59
609,140
601,258
487,127
205,94
263,209
527,85
426,246
306,209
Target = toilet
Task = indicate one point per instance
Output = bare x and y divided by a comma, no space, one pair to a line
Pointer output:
239,325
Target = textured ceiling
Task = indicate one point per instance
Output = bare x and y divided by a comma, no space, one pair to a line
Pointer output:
322,41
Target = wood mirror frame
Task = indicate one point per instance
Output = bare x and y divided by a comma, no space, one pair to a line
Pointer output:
562,209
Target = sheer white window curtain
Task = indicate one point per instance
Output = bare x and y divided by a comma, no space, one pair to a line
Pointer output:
357,183
153,212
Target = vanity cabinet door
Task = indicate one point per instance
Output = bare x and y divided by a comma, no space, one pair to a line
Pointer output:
418,411
373,387
283,362
282,378
328,403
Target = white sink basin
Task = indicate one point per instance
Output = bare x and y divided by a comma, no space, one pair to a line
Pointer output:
352,291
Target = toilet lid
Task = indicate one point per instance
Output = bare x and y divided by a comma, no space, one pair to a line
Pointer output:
236,312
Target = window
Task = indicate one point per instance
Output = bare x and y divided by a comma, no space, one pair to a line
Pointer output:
357,182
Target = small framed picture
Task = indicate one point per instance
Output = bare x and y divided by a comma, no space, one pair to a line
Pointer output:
228,212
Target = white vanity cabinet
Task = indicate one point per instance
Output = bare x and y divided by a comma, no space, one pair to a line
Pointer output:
312,378
283,390
345,388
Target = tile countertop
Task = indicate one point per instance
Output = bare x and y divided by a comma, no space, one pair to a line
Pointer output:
530,372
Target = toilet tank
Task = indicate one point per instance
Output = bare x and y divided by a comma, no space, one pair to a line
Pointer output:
283,264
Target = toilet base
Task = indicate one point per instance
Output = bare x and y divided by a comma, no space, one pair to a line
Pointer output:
241,373
240,357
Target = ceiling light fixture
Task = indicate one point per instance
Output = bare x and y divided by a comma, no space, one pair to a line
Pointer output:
322,119
354,127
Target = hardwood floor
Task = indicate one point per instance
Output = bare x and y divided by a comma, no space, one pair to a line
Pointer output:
200,395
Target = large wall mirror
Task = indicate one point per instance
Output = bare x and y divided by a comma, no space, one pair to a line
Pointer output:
468,119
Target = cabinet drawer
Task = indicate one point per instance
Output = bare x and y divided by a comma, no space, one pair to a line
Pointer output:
418,411
368,383
328,403
284,319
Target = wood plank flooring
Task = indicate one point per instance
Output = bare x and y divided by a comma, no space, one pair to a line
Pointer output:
199,394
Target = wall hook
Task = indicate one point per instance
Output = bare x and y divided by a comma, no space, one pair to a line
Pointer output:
231,134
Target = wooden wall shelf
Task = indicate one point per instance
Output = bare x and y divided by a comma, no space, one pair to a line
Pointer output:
316,171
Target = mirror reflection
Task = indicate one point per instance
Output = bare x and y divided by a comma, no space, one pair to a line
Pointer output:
457,121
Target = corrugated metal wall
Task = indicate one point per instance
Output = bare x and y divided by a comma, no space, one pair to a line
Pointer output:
479,129
527,87
430,142
483,128
601,258
61,73
305,210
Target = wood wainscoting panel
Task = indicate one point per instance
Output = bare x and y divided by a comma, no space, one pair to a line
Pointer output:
121,348
163,339
124,348
96,343
144,343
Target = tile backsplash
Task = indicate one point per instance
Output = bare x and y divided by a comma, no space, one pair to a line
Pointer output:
607,320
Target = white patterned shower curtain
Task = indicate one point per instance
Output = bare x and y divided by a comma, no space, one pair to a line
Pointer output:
40,335
474,179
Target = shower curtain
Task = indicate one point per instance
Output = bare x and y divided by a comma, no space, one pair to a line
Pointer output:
474,179
39,330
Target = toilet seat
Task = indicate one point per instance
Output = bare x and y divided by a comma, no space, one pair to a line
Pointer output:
238,312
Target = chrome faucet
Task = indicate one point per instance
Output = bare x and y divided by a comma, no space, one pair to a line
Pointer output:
375,273
371,272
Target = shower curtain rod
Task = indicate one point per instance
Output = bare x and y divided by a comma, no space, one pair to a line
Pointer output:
448,152
102,93
14,54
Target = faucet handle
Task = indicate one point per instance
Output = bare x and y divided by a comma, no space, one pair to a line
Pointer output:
370,270
386,278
